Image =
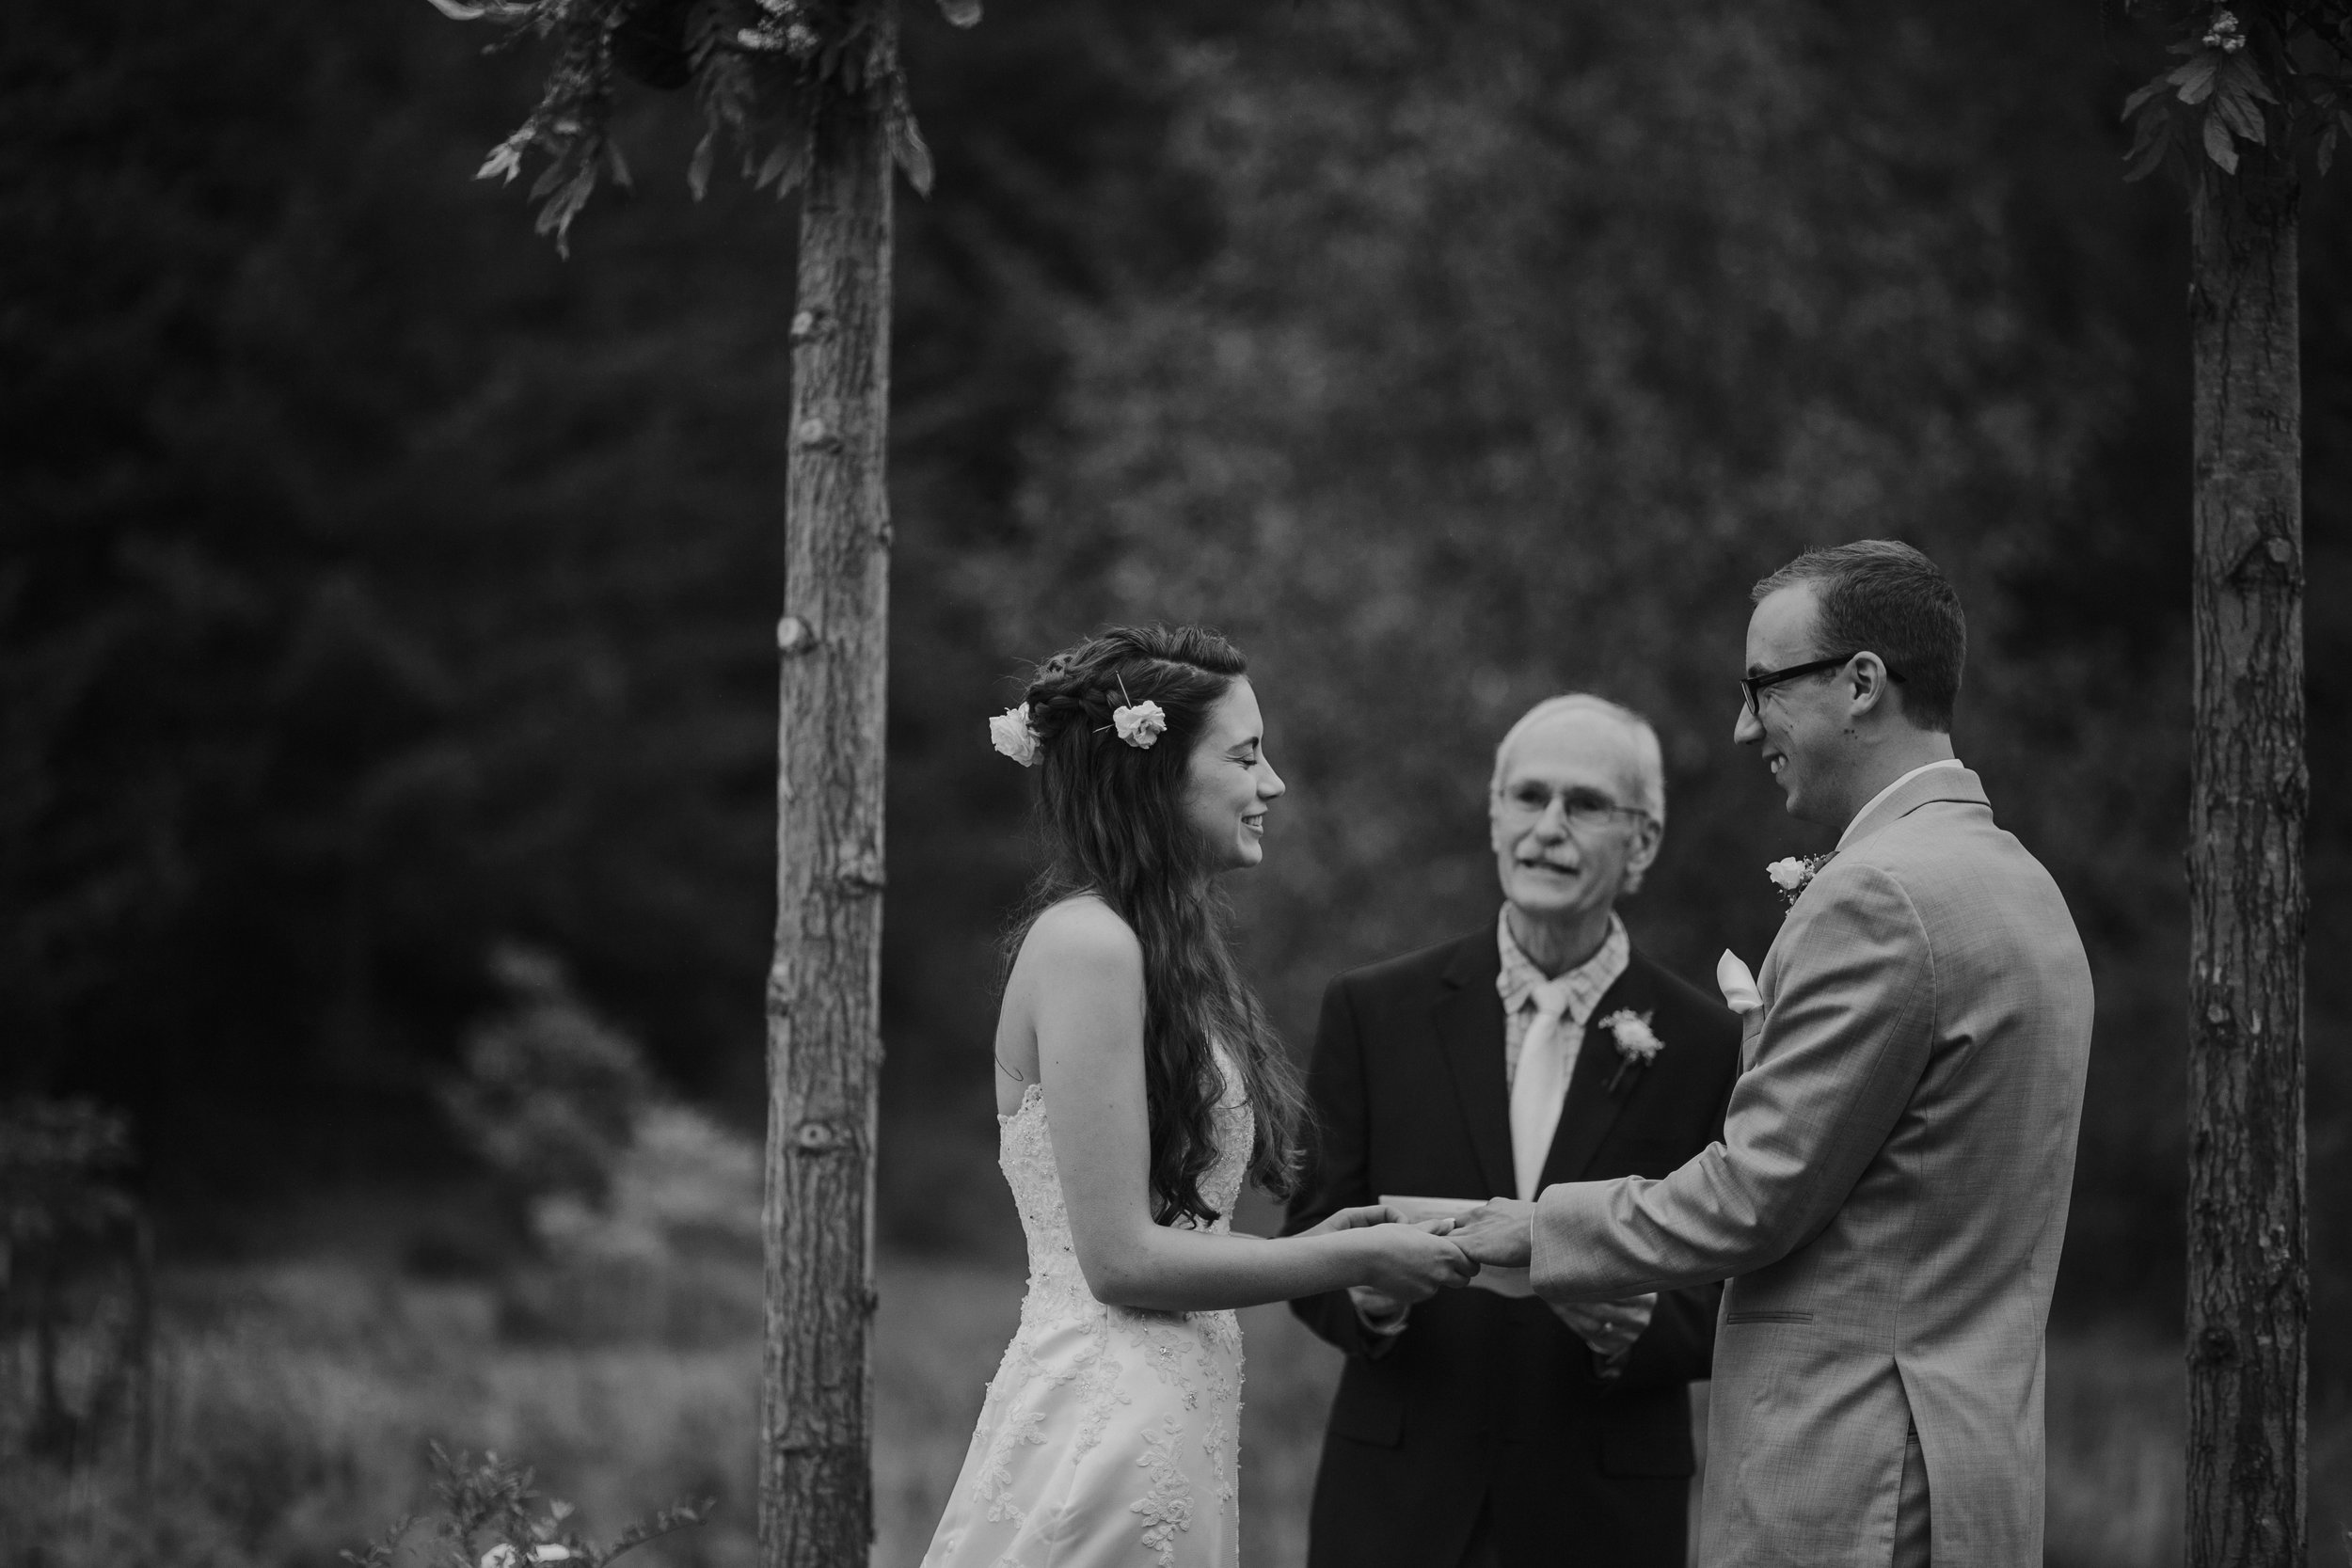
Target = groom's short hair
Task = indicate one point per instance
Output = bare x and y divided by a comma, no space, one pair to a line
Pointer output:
1884,597
1649,758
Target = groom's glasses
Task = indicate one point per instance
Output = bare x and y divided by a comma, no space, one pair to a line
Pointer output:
1752,687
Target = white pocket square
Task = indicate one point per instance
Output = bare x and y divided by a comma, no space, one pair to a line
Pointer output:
1738,984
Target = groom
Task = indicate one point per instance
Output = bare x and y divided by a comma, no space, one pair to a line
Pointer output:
1478,1429
1890,1193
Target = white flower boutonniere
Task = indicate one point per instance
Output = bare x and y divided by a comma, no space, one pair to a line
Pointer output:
1637,1042
1793,874
1009,733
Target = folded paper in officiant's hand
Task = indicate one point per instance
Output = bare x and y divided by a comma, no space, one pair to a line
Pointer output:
1502,1282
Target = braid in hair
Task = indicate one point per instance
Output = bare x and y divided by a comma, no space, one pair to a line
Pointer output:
1112,816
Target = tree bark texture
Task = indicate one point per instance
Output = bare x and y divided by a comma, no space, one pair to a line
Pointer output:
2248,1281
824,1048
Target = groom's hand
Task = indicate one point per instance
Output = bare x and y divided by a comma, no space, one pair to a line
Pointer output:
1499,1234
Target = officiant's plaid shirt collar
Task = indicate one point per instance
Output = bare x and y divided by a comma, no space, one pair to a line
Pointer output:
1588,982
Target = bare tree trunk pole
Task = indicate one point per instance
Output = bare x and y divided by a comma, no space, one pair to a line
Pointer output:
2248,1297
824,1048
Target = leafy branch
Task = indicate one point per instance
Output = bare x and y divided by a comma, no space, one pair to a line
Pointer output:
489,1518
61,1161
2266,73
757,69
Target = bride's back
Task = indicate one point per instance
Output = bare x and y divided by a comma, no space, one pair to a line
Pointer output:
1072,960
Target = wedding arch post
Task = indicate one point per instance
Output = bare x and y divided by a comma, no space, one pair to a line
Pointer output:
824,1041
810,92
2249,1287
2261,85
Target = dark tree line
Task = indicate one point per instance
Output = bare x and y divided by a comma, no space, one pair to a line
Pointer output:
377,586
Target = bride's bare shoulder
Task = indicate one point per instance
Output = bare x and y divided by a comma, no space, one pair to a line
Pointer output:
1082,929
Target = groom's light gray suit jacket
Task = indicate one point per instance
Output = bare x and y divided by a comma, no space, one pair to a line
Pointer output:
1888,1200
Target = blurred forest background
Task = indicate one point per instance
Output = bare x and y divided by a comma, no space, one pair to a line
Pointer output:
387,696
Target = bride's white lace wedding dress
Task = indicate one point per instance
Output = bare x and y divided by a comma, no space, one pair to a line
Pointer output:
1110,1435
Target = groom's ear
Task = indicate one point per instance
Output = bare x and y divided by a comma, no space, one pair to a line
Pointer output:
1872,685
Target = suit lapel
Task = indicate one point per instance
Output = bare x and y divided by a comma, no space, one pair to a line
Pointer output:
1592,1110
1470,1023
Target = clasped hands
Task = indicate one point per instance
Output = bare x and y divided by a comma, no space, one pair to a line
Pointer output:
1499,1234
1420,1258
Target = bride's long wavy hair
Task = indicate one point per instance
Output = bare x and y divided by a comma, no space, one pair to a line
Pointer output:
1113,819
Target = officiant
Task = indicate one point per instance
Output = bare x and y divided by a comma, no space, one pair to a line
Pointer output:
1484,1427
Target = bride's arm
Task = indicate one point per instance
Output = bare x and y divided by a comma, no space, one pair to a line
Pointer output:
1080,978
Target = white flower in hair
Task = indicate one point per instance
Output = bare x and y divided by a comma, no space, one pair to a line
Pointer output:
1009,733
1139,725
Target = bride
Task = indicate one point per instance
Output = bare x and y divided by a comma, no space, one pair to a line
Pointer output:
1137,1085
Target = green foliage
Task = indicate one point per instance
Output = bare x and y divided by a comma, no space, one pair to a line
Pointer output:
551,1092
1534,337
758,69
376,590
640,1212
60,1161
672,1253
2253,72
296,1392
489,1517
292,1397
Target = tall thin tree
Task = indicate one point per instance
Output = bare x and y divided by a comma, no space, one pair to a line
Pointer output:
811,94
2261,83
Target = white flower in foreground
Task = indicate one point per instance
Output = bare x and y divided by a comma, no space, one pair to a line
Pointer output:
1139,725
1009,733
505,1555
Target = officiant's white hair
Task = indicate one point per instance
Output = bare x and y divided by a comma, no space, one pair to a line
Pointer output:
1649,758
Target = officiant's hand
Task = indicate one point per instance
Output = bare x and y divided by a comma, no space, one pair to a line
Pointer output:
1499,1234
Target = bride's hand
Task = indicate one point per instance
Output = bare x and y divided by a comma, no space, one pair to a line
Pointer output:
1410,1262
1353,1219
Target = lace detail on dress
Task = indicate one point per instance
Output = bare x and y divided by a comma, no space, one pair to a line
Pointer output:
1159,1391
1167,1507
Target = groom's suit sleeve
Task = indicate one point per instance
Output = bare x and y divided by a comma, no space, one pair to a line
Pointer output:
1336,1177
1844,1040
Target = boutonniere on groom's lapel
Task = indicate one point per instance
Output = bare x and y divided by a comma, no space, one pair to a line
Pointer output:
1794,874
1636,1042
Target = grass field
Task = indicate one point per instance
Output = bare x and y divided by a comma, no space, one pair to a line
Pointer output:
296,1400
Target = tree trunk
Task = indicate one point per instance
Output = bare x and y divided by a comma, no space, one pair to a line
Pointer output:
2248,1284
816,1506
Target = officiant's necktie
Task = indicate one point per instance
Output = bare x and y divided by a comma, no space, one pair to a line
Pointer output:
1540,1087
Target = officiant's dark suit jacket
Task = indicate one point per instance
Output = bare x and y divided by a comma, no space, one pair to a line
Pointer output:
1484,1401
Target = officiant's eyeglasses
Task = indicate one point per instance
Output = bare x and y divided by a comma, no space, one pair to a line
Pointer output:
1752,687
1586,811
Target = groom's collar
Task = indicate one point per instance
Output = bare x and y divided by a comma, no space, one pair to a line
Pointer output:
1944,781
